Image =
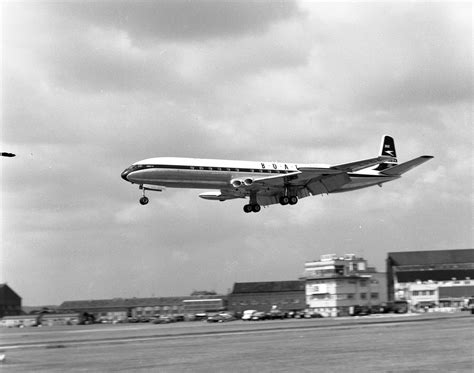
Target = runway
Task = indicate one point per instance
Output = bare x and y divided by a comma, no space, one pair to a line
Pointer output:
431,342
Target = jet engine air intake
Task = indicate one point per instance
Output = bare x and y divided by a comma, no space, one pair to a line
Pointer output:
236,183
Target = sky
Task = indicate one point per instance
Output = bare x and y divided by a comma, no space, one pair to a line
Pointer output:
88,88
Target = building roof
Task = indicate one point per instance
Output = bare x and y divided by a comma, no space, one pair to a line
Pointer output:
456,291
431,257
128,302
268,287
7,291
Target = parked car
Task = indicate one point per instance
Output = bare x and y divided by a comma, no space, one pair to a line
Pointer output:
220,317
258,316
276,314
247,315
163,320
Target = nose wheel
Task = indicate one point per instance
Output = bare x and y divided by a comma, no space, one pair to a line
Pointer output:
144,199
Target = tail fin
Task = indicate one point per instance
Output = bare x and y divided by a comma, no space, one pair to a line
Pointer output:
387,149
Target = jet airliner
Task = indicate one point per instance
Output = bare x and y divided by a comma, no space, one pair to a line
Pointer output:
267,183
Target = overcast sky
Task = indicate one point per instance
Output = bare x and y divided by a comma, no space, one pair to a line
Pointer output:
88,88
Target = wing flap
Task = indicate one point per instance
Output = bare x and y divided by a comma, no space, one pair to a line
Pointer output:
328,183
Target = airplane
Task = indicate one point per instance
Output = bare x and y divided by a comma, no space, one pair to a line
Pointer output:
267,183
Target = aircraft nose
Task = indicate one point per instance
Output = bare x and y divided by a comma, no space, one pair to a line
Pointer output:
126,172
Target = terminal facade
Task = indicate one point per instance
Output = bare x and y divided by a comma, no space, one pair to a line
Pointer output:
336,285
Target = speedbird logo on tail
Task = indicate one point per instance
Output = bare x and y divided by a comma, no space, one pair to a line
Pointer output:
281,183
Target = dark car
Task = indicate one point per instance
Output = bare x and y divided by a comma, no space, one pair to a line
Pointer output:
258,316
163,320
276,314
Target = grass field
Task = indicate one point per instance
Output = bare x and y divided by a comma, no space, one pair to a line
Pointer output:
431,343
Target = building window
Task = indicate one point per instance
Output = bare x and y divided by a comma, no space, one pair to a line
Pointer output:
363,296
374,295
415,293
350,296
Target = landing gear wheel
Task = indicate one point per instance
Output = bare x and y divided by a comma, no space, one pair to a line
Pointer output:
256,207
248,208
293,200
144,200
284,200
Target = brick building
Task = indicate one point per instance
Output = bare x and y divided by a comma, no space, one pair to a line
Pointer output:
261,296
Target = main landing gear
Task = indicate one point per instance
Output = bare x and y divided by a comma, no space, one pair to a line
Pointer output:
252,207
285,200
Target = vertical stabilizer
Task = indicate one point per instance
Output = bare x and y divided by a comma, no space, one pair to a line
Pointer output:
387,149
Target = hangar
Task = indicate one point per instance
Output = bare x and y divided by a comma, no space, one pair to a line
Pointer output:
262,296
437,278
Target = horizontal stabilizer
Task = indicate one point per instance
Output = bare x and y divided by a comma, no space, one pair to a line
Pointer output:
407,166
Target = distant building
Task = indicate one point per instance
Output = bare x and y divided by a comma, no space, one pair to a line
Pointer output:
40,319
121,309
336,285
262,296
10,302
441,278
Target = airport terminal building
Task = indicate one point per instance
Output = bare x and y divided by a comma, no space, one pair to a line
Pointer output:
336,285
431,279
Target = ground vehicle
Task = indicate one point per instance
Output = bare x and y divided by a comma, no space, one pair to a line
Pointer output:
163,320
247,315
257,316
400,306
470,305
220,317
276,314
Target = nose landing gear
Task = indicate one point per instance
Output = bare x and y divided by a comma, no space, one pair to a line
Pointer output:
144,199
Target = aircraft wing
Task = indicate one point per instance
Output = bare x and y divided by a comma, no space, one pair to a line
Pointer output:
315,180
307,174
360,165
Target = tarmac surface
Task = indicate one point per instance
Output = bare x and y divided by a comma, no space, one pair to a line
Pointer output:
378,343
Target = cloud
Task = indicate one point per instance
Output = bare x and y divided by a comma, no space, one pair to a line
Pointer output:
179,20
89,88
